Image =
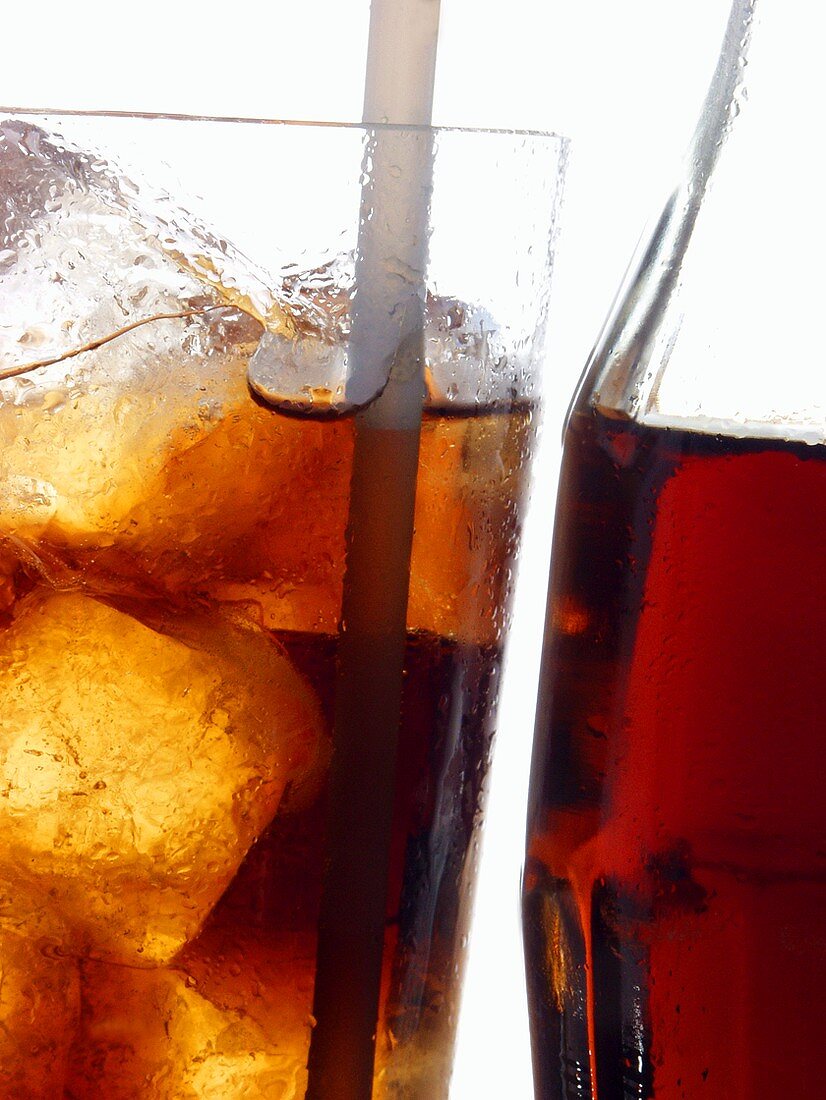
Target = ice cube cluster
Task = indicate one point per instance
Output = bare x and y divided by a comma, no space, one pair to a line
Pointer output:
144,744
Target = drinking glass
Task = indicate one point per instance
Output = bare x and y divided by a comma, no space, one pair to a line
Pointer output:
674,890
245,722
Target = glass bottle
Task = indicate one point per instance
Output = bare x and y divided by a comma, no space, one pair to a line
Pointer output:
674,897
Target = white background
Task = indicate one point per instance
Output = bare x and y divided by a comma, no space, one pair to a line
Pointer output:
622,78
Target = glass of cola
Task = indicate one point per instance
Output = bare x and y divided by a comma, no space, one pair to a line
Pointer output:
178,304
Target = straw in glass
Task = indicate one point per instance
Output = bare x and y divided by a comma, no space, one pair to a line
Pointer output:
386,335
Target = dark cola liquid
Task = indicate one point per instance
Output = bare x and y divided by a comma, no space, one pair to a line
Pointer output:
675,889
444,750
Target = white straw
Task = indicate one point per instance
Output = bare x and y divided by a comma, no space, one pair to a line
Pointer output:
401,62
385,358
392,249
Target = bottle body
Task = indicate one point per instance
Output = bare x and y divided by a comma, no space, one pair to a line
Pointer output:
674,887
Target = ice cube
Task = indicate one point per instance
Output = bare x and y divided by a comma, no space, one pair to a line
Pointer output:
39,997
129,440
304,368
138,766
231,1019
86,251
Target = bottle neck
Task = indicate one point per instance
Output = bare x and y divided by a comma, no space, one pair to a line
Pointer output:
718,299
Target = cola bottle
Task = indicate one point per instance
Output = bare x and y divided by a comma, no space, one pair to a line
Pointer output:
674,895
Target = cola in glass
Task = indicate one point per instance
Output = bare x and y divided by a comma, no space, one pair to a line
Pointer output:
173,551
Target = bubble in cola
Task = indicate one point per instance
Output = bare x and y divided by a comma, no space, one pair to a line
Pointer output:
172,553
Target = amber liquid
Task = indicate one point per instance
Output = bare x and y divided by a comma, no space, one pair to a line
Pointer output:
674,893
447,727
230,1012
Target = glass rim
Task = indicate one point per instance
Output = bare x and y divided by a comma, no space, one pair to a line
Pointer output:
322,124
